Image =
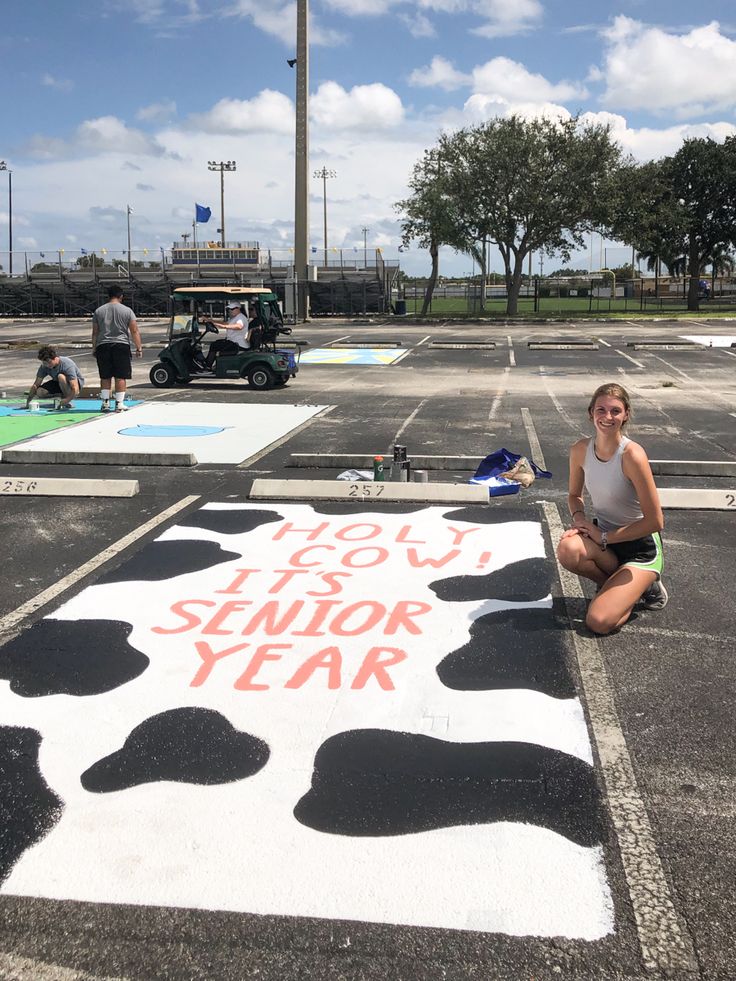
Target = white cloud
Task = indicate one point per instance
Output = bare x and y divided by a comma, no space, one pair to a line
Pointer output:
512,81
418,25
361,8
157,112
28,242
105,134
646,143
60,84
480,107
440,73
278,19
505,18
267,112
373,107
685,74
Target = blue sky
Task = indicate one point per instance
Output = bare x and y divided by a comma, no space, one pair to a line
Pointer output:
111,103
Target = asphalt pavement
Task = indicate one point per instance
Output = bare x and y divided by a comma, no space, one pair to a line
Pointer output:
658,696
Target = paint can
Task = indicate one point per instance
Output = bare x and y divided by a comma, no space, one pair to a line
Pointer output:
421,477
34,405
3,395
405,471
399,453
378,473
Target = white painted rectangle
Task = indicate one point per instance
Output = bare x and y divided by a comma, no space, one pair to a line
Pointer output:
338,490
215,432
692,498
66,487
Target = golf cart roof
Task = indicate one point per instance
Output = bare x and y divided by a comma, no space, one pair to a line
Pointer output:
222,293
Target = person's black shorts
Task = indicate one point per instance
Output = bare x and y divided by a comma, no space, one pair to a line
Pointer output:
51,386
643,553
114,361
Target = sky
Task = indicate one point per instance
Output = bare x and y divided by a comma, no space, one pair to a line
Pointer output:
115,103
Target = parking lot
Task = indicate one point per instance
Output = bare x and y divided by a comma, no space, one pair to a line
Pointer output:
634,882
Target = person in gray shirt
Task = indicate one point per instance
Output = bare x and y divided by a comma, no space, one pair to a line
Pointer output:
114,331
65,378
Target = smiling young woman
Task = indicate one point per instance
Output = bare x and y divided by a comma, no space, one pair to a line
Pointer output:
619,548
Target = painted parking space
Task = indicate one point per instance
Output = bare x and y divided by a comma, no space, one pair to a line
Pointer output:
215,432
356,716
362,356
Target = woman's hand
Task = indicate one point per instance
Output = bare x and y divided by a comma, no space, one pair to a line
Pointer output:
589,530
570,533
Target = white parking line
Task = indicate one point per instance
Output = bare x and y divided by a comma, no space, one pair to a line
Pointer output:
731,354
408,420
534,444
499,394
12,620
402,356
673,367
423,340
632,360
336,340
558,405
512,356
601,341
665,945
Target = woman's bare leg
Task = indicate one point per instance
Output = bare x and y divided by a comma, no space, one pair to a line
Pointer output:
583,557
612,607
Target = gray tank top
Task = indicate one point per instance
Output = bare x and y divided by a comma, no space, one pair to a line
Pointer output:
613,495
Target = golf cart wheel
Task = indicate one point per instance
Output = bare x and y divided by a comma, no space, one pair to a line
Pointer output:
162,375
260,377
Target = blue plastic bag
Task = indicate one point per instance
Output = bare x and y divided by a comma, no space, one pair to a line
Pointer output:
497,463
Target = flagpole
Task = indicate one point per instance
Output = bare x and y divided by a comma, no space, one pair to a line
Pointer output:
128,210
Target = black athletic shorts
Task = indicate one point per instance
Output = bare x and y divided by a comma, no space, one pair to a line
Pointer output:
643,553
114,361
51,386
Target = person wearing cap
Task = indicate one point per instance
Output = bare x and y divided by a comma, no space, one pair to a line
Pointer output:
237,334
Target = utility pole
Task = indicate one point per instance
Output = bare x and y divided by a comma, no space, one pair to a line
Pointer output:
301,159
129,211
222,166
365,246
4,166
324,174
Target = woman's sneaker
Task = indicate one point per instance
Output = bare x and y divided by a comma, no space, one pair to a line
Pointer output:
105,405
656,597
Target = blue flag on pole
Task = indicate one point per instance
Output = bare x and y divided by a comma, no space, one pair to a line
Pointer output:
203,214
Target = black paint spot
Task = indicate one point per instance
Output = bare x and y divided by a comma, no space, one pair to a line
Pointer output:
493,513
361,507
511,649
230,521
188,745
28,806
371,782
71,657
164,560
519,582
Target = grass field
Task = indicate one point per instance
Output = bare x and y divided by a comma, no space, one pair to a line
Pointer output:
571,306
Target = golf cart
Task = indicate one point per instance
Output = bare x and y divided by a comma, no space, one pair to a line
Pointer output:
183,358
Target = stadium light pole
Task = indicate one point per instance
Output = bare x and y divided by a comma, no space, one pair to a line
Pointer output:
324,174
365,231
129,211
4,166
222,166
301,158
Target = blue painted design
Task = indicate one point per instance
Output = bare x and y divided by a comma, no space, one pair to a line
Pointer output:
166,431
78,406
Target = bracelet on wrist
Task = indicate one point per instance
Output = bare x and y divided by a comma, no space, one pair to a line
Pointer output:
579,511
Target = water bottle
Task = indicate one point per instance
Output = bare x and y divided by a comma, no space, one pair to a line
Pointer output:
378,468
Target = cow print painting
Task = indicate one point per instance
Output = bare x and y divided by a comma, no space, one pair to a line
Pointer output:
339,712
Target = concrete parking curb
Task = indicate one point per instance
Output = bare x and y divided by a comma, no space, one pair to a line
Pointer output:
364,461
687,498
340,490
66,487
100,458
693,468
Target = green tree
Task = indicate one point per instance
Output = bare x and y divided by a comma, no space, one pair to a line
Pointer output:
425,214
528,186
